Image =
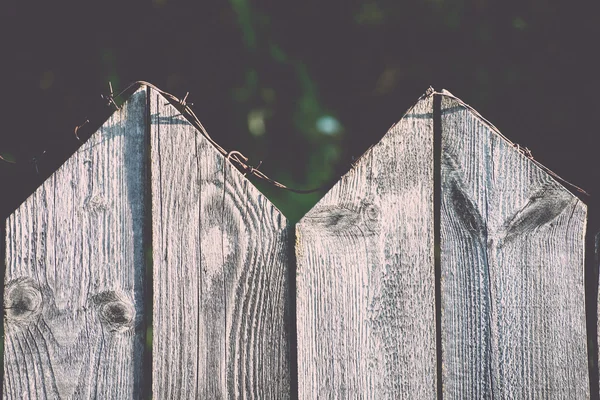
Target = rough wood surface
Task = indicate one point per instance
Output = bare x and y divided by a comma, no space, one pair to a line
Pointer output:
365,274
75,267
512,262
220,251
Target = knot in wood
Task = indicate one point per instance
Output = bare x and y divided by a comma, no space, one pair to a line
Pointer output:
370,212
116,313
371,215
22,300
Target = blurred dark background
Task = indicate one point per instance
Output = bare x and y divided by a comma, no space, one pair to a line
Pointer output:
303,86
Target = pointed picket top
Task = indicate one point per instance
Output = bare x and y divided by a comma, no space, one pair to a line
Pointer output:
220,251
454,103
511,240
512,268
74,324
365,273
76,261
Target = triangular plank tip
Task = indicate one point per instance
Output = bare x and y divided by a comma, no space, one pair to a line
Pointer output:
134,103
402,138
451,103
164,111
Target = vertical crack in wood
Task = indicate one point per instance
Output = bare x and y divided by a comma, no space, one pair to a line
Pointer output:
146,384
291,313
199,268
437,201
225,275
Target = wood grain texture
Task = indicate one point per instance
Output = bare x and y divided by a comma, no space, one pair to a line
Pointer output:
75,266
220,252
512,264
365,274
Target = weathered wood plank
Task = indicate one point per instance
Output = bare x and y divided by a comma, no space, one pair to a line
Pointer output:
512,262
75,267
220,272
365,274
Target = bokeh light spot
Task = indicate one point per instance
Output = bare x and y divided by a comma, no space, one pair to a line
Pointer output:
328,125
256,122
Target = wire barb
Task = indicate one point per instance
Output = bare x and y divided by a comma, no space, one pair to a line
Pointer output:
252,170
182,102
523,150
110,98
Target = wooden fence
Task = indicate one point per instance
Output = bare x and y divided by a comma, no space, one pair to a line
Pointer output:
444,264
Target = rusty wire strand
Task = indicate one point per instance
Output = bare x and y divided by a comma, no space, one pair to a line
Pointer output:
522,150
241,162
235,157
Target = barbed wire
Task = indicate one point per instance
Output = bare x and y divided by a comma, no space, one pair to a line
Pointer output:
523,150
241,162
235,157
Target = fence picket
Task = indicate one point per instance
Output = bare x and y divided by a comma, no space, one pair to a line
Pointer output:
512,257
220,272
365,274
74,272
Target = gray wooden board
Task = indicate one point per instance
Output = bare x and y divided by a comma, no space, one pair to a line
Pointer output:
512,270
74,272
365,274
220,252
